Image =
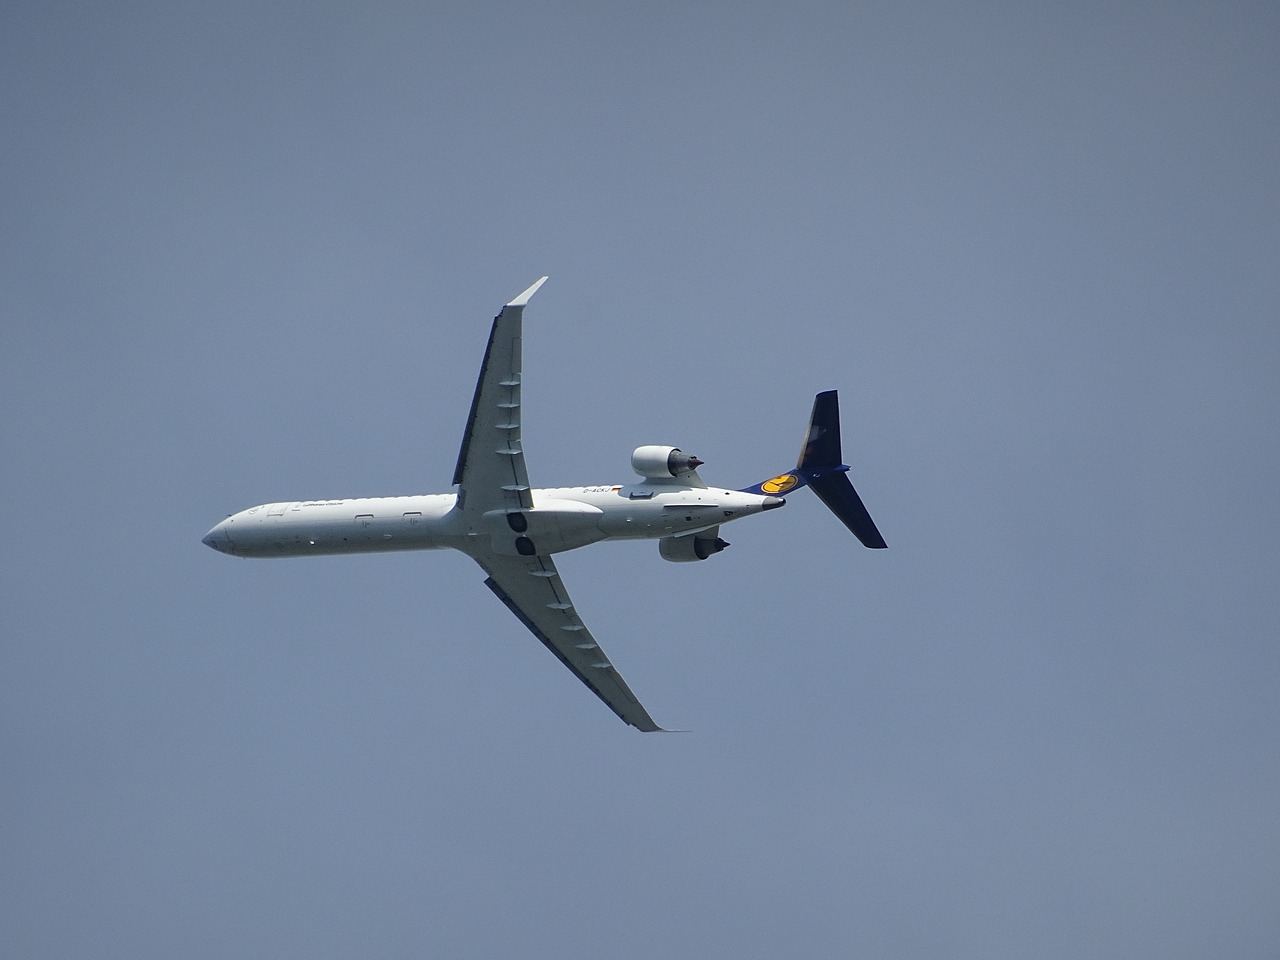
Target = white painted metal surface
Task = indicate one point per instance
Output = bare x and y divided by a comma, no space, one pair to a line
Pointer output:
510,529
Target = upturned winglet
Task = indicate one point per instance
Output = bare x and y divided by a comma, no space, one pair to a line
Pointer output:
524,298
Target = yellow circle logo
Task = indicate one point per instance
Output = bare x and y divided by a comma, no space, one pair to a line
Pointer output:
779,484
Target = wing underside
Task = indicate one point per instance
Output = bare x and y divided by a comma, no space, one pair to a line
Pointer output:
491,474
532,590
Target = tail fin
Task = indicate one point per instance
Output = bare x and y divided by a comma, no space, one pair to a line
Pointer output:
820,469
820,465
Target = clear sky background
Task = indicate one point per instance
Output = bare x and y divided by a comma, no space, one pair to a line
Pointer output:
249,252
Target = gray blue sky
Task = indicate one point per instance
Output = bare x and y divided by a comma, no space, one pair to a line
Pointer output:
250,252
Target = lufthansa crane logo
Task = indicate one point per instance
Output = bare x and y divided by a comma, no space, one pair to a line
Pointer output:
779,484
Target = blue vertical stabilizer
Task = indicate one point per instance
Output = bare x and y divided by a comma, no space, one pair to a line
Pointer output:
820,468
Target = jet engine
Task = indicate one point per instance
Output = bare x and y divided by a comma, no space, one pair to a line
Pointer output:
689,548
657,462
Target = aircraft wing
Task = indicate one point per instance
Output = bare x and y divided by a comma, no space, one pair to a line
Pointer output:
491,473
532,590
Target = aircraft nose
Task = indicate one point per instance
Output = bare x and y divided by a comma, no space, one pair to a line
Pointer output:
218,539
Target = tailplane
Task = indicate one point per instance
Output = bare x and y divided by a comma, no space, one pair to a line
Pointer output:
820,468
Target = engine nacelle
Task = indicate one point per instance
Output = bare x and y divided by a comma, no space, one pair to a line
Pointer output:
689,548
658,462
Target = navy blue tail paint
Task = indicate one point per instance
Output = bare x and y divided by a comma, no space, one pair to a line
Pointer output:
820,469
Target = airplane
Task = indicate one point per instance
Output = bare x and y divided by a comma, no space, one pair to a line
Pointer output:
513,531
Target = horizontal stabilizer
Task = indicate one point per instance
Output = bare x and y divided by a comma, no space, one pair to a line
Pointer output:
835,490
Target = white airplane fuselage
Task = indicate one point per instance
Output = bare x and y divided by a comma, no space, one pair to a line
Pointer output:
562,518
